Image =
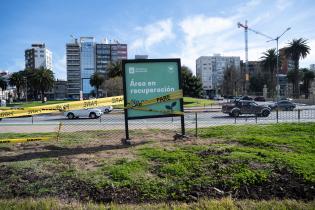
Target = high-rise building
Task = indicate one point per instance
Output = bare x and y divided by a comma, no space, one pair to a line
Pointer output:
312,67
84,57
210,69
38,56
87,58
73,69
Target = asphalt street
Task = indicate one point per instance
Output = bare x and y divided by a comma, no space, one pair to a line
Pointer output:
114,121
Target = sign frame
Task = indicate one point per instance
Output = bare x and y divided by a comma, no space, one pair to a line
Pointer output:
134,61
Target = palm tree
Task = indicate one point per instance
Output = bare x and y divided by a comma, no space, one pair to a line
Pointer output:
3,84
269,62
32,83
115,69
96,80
18,80
296,50
44,79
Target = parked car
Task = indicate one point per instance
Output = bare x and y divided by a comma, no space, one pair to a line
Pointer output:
90,113
107,109
283,105
259,98
245,107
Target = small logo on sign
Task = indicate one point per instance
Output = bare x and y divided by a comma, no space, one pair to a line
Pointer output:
131,70
171,69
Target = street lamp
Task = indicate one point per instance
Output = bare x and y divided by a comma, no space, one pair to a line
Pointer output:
246,28
26,88
277,74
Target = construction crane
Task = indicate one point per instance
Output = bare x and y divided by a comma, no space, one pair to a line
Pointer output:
246,28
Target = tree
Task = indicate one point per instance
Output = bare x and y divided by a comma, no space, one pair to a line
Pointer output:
96,80
308,77
3,84
296,50
256,84
230,79
191,84
44,79
269,62
113,86
17,79
115,69
32,83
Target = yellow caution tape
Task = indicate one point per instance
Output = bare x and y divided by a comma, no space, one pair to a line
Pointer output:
20,140
46,109
93,103
162,99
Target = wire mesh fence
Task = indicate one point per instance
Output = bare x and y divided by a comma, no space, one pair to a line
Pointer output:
112,125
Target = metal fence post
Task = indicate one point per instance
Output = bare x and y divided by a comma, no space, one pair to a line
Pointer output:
234,119
196,124
256,118
277,115
32,120
299,115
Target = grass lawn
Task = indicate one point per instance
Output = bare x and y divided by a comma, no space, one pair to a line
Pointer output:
251,162
193,102
35,103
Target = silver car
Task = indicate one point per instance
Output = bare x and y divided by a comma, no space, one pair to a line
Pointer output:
87,113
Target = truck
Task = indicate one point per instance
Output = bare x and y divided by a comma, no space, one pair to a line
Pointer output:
240,107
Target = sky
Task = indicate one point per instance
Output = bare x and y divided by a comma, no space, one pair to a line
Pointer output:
185,29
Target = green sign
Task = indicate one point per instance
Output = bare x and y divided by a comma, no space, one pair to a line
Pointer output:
151,78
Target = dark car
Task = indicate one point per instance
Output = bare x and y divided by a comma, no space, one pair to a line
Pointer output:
247,98
259,98
245,107
283,105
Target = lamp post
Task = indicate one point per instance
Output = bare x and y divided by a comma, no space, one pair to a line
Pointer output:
246,29
25,88
277,70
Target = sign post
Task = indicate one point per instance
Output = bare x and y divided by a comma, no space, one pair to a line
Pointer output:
145,79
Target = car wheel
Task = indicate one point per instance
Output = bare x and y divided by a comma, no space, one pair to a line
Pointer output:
93,115
235,113
265,113
70,116
230,114
106,111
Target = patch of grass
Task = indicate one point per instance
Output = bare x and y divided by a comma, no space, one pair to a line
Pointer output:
241,157
209,204
193,102
290,144
125,170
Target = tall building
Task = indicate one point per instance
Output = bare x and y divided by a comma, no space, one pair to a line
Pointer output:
312,67
84,57
210,69
87,58
38,56
73,69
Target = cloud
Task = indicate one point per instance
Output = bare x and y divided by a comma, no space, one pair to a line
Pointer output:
153,34
310,59
283,4
59,67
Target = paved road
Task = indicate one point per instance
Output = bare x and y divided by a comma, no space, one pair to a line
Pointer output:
49,123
